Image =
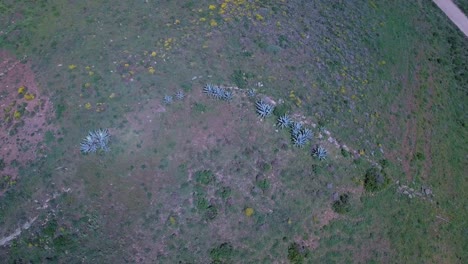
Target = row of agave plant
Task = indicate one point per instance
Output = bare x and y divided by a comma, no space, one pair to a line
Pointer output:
169,99
218,92
300,136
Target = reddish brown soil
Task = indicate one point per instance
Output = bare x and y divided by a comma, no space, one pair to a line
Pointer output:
417,128
21,137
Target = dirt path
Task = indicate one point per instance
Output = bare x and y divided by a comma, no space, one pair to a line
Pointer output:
454,13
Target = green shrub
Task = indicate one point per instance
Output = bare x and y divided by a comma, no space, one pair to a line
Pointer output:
341,205
384,163
263,184
204,177
222,254
239,78
375,180
224,192
199,107
345,153
296,253
281,109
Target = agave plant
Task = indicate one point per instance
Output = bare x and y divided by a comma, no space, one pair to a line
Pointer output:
300,140
264,109
88,145
251,93
284,121
296,128
98,139
307,133
208,89
218,92
180,95
227,96
168,99
319,152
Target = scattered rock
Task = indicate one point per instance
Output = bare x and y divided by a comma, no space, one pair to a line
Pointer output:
335,196
426,191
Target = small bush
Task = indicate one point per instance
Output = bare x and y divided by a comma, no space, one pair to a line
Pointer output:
317,169
384,163
375,180
224,192
296,253
211,212
263,184
222,254
341,205
281,110
199,107
345,153
240,78
204,177
266,167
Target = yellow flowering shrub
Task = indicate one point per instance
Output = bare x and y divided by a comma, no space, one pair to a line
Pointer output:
21,89
249,211
29,96
17,114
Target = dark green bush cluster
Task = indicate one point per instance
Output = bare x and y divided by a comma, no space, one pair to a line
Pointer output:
375,180
222,254
296,253
342,205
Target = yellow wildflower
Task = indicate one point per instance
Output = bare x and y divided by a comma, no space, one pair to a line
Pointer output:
259,17
167,42
172,220
249,211
21,89
87,85
17,115
211,7
153,54
90,73
213,23
202,19
71,66
29,96
87,106
151,70
126,65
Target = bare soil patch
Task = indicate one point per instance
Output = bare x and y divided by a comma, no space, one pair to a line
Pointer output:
26,114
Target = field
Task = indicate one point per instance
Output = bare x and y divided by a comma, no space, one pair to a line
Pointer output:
382,86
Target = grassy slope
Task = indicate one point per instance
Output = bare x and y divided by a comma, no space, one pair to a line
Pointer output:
427,54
